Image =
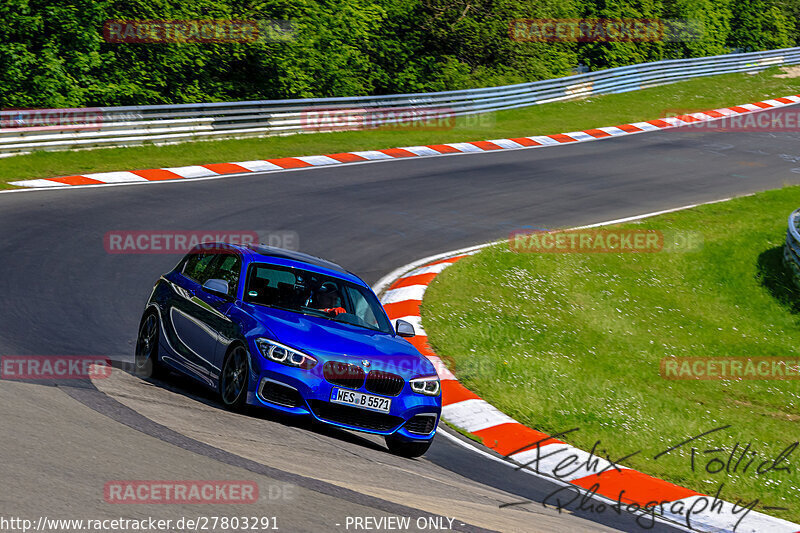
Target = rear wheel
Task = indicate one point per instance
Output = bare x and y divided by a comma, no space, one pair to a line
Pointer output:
406,448
146,357
233,379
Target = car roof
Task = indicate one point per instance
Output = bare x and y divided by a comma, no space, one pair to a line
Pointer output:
271,251
300,260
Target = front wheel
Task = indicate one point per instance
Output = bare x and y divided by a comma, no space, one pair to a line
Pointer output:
405,448
146,357
233,379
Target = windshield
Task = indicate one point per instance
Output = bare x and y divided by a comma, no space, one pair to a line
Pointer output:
314,294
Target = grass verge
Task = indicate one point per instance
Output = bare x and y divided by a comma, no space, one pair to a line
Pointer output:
696,94
559,341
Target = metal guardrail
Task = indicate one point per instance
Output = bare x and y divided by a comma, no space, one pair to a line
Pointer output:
791,251
162,124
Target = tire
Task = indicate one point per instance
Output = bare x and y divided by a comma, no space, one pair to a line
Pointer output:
234,378
146,364
409,449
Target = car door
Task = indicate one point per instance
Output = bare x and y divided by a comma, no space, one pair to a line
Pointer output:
198,315
216,309
179,327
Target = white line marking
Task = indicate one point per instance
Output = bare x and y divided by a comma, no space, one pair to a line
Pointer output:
412,292
465,147
646,126
115,177
420,150
544,140
751,107
474,415
318,160
389,278
672,121
581,136
40,183
430,269
258,165
372,155
506,143
192,171
613,130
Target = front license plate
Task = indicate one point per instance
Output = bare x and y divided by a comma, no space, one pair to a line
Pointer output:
359,399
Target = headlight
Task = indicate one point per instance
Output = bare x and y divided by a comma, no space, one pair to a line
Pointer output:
284,355
428,386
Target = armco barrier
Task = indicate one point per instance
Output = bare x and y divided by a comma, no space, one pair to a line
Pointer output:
162,124
791,251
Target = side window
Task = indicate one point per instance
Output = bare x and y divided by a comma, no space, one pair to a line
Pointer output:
361,307
269,277
227,267
273,287
197,266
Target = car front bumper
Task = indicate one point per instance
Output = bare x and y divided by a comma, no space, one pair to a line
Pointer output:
297,391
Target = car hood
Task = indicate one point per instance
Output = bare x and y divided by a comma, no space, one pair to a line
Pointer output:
330,340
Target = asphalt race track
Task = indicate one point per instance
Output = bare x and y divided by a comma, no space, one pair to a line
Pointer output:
63,294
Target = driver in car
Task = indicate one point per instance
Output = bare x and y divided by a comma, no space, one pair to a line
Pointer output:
328,300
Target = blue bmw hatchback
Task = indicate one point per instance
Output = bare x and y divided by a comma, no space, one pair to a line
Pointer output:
287,331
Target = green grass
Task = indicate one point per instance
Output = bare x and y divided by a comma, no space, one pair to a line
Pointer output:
696,94
575,340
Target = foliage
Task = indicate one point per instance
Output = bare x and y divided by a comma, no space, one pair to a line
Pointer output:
53,52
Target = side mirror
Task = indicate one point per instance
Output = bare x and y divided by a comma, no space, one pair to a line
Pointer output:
218,287
404,329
